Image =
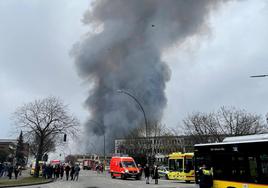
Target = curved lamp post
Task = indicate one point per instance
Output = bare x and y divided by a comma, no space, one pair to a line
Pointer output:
148,157
259,76
137,101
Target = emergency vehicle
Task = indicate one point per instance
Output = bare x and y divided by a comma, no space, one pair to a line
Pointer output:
124,167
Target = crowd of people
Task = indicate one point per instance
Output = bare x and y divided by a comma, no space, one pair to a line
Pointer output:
7,170
57,171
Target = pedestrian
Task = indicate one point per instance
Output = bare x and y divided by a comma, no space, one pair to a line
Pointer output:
72,172
76,172
44,171
155,174
101,167
6,167
20,169
61,171
10,171
205,177
147,173
16,171
50,171
57,171
98,168
67,171
1,169
140,170
38,170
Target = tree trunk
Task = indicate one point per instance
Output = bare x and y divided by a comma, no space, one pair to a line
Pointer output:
38,158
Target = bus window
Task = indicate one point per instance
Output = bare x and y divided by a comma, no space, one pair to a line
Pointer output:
253,168
179,164
188,165
240,168
222,166
264,168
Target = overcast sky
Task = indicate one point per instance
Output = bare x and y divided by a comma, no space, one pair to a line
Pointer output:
36,38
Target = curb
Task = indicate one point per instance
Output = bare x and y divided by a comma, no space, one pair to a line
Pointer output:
27,184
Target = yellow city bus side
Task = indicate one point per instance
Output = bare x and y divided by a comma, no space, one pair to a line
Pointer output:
182,176
226,184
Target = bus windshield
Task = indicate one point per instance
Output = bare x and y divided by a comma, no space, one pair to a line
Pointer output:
176,165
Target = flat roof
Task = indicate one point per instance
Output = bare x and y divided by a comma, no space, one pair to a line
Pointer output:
246,138
229,143
239,140
8,140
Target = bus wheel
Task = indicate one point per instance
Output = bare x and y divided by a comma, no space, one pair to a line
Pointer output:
187,181
112,175
123,176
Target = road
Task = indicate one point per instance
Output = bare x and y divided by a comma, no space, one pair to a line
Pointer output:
90,179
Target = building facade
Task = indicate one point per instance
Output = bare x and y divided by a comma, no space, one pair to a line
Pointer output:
8,150
158,146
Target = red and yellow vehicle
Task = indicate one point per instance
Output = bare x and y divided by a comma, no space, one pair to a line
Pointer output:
124,167
181,167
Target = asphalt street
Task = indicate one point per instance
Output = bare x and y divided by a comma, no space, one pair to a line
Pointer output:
91,179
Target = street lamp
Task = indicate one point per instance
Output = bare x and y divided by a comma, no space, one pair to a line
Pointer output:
259,76
137,101
145,119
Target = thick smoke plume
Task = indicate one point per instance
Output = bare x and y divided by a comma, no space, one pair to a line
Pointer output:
124,52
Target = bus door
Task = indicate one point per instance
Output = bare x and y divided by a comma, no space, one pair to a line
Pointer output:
188,164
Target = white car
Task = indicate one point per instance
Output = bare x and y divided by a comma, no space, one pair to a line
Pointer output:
163,172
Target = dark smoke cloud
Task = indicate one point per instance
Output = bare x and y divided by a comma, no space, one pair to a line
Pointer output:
125,53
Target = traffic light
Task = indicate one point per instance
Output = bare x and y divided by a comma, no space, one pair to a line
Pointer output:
64,137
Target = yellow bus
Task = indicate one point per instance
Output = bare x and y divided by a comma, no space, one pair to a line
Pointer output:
181,167
237,162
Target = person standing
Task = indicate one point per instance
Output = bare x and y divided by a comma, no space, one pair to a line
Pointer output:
147,173
205,177
67,171
61,171
16,171
44,171
1,169
72,173
10,171
155,174
76,172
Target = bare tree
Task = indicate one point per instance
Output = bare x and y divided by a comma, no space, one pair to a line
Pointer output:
227,121
43,121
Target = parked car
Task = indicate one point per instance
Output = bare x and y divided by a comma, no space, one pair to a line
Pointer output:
163,172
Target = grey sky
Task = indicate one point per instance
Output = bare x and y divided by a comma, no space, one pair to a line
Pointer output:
36,37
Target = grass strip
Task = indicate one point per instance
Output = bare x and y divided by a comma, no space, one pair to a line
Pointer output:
23,181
